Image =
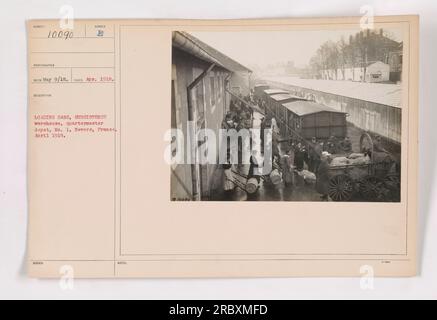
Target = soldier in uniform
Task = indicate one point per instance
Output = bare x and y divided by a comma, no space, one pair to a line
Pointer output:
332,145
346,145
313,155
322,177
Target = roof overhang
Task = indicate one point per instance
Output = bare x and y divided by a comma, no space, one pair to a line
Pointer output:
180,41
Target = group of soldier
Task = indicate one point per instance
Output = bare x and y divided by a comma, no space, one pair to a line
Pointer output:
238,117
297,154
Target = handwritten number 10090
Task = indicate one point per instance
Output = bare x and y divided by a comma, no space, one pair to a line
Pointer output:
60,34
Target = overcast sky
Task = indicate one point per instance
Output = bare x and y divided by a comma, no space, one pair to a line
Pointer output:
268,47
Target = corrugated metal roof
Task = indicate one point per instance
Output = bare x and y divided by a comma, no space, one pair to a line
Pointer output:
305,107
381,93
274,91
283,96
182,42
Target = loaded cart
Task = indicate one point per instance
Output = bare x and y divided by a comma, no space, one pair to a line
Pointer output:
376,177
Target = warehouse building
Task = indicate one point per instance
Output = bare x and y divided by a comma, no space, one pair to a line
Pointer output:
201,80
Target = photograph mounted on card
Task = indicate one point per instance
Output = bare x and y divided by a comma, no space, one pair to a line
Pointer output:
234,148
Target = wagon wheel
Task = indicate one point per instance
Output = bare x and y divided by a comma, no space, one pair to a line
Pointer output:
393,184
373,188
340,188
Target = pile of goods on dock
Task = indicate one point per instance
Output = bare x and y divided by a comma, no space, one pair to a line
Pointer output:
352,159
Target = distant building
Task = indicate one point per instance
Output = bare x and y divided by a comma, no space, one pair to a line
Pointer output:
373,45
376,71
369,56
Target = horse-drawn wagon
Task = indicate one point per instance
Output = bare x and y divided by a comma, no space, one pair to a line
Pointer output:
376,178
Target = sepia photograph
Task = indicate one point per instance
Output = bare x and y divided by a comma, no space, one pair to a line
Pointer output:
287,115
